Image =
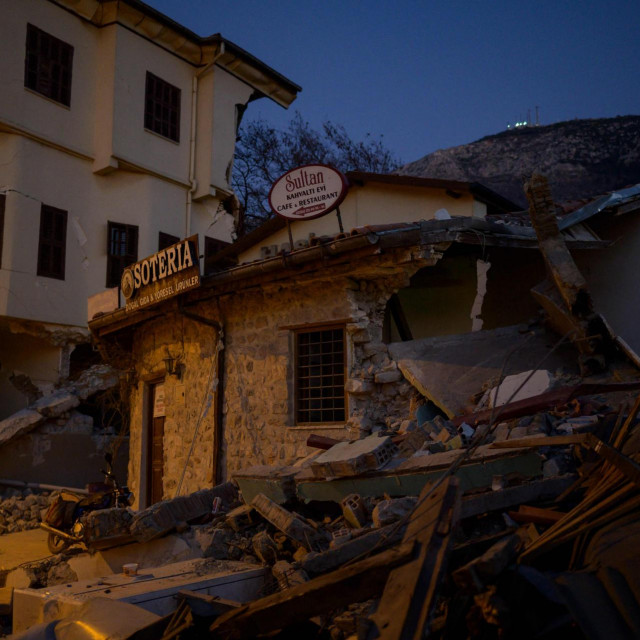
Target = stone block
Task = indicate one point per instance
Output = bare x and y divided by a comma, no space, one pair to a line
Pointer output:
358,387
386,377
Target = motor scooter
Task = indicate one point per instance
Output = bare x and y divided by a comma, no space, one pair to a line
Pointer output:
64,518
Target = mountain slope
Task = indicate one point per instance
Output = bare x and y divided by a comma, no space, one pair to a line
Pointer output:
581,158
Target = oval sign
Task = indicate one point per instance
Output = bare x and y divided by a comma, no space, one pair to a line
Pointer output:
308,192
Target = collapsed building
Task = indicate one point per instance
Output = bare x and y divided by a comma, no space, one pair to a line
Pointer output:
467,484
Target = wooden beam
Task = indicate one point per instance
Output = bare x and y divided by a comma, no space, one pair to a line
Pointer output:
355,583
410,593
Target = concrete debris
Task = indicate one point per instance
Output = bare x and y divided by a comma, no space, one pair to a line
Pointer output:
59,402
353,458
21,510
389,511
521,386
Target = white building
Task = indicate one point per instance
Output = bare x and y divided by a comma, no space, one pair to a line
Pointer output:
117,133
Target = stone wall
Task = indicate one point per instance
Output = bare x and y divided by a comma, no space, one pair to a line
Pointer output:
258,399
189,400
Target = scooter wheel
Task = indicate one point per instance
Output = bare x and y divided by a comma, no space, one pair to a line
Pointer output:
56,544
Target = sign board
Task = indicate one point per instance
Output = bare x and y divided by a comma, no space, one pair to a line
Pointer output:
158,401
308,192
163,275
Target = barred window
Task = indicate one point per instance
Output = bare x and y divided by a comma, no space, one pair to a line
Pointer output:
162,108
122,250
47,65
52,242
320,376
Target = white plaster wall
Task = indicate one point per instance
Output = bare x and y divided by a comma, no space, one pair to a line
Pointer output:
33,174
612,276
373,204
29,111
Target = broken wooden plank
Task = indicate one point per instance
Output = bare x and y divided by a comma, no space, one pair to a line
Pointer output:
354,583
488,501
409,596
536,515
549,400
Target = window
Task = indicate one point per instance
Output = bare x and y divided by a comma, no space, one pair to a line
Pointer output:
211,248
166,240
320,373
47,65
51,247
3,198
122,250
162,108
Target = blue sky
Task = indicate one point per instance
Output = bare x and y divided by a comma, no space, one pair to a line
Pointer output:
429,75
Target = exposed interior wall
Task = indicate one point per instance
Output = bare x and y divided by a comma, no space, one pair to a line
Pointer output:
612,274
70,454
32,356
440,299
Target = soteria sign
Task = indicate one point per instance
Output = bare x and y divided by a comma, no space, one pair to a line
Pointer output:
308,192
162,275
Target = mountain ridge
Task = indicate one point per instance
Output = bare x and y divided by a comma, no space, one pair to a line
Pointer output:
581,158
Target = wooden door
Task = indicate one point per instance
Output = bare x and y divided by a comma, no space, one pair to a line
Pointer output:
155,464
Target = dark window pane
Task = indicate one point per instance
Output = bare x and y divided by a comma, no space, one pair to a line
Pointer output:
122,250
52,242
162,107
48,65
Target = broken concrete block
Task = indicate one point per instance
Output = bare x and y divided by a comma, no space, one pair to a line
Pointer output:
61,573
241,518
454,443
353,458
358,387
19,423
412,442
56,403
477,574
289,523
107,523
287,575
555,466
219,545
265,548
539,382
99,377
162,517
386,377
340,536
392,510
354,511
466,431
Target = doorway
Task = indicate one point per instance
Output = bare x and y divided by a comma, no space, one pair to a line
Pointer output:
155,467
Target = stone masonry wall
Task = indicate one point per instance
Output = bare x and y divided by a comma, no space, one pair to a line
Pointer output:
258,398
189,400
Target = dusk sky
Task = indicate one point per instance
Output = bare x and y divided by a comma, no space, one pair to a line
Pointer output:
434,74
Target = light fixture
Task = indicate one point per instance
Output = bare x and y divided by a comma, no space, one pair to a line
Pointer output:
173,366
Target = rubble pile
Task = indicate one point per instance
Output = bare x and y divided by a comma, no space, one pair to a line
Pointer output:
21,509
